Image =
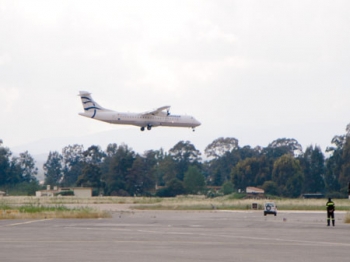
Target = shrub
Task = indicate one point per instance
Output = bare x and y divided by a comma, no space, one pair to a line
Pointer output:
65,193
270,188
164,192
23,189
175,187
227,188
336,195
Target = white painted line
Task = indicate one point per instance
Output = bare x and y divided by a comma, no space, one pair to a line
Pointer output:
24,223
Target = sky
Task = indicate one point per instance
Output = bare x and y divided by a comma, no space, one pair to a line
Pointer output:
253,70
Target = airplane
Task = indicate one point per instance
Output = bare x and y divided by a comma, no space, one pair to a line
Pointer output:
154,118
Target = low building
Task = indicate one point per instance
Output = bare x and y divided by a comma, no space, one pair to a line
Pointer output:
254,192
78,191
82,191
45,193
313,195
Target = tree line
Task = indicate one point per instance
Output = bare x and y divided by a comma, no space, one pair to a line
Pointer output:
17,171
281,169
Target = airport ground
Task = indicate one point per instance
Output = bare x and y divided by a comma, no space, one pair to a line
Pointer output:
178,236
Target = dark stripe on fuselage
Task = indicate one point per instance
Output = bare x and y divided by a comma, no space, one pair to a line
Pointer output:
92,107
89,100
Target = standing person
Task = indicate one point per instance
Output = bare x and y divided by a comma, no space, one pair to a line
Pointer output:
330,211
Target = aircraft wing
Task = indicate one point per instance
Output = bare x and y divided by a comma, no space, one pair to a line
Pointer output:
156,111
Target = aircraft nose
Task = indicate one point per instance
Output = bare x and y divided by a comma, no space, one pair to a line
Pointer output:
198,123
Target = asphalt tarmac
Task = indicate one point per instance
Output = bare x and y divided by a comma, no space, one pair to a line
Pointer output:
178,236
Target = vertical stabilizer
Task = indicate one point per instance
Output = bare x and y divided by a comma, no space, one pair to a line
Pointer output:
90,106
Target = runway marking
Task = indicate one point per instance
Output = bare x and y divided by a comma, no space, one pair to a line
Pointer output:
261,240
182,241
24,223
269,240
297,242
277,241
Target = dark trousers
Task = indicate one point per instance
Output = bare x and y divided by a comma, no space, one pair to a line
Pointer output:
330,215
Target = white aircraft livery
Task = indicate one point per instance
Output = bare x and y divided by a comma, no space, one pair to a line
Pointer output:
158,117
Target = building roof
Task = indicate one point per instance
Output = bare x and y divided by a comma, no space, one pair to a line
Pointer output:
254,190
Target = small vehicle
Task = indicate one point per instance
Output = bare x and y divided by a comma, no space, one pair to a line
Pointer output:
270,209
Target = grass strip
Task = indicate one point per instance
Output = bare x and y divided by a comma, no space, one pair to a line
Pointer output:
189,202
42,212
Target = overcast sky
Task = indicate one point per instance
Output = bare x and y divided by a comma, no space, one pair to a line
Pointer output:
253,70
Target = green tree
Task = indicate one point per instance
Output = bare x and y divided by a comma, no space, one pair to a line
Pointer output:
194,180
53,169
287,174
175,187
165,171
344,177
219,169
245,172
157,164
265,170
14,175
152,159
119,163
184,155
217,177
285,146
73,163
248,152
227,188
220,146
90,176
334,164
94,155
111,149
313,164
27,166
22,169
270,188
139,178
5,155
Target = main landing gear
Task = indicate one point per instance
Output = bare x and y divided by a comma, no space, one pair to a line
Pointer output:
149,127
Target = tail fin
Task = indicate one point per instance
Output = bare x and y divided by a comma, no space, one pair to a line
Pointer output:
89,105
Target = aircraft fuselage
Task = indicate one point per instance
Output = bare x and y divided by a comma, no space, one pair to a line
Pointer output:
157,117
141,120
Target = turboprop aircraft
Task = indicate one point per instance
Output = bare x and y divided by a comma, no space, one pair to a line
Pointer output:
158,117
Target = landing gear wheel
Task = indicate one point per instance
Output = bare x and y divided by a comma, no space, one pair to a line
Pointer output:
149,127
142,128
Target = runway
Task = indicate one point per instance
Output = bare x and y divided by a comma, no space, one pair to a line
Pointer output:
178,236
